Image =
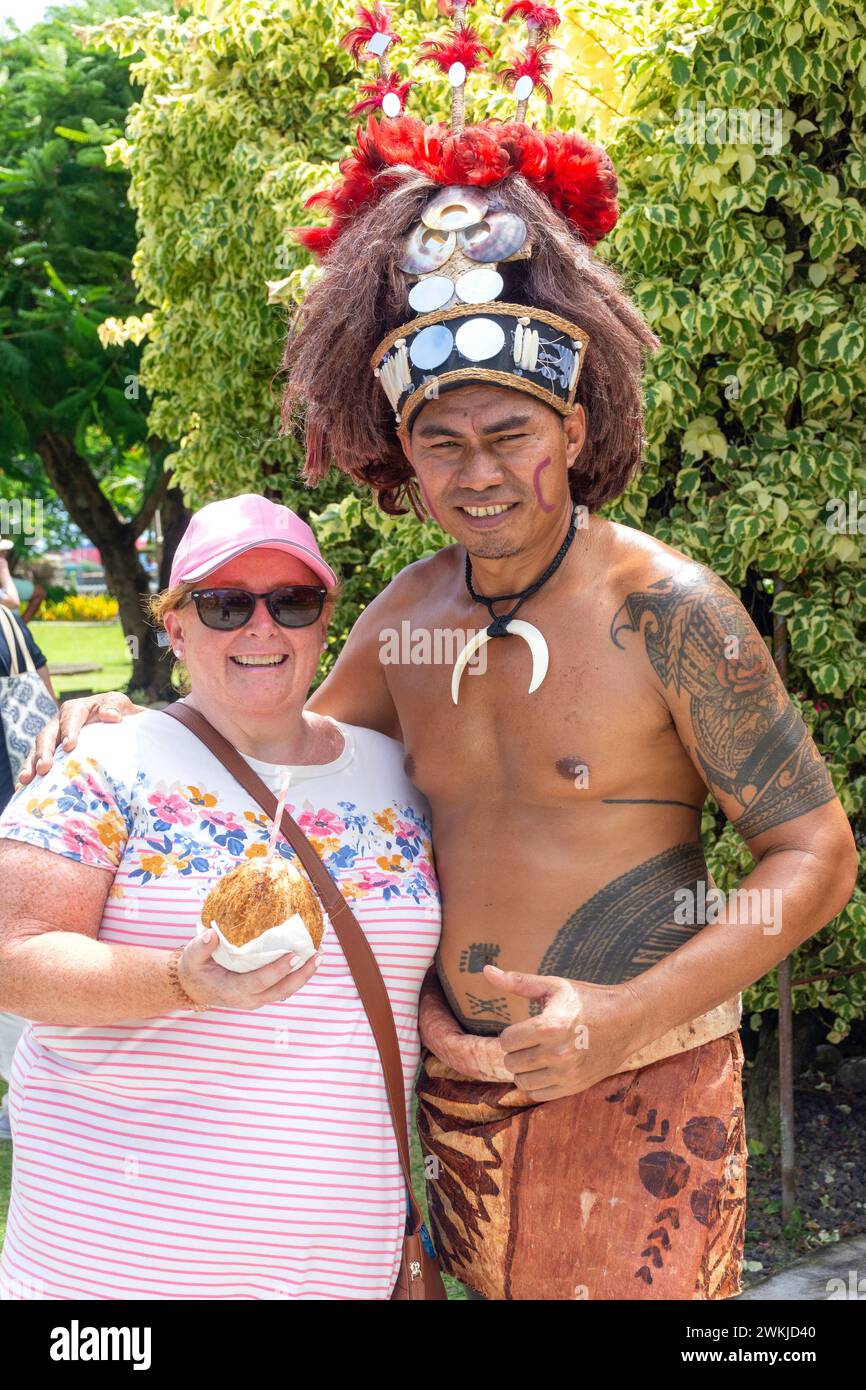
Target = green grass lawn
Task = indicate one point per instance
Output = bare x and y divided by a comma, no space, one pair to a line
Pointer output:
99,644
5,1173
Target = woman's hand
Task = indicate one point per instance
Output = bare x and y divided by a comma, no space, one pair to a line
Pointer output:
479,1058
107,708
206,982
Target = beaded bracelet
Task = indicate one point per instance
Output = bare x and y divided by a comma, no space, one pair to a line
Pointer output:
185,1000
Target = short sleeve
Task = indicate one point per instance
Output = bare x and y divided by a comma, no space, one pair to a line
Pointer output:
77,809
26,639
39,657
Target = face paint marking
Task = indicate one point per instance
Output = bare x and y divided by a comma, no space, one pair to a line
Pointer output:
545,506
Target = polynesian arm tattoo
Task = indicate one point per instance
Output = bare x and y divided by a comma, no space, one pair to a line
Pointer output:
729,703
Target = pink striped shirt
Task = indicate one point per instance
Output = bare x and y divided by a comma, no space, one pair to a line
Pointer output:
234,1153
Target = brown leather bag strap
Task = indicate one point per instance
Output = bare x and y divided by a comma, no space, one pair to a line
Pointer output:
356,947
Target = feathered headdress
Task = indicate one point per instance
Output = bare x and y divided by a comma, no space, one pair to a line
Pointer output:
460,262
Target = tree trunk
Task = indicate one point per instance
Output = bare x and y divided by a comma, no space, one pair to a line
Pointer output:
762,1087
115,539
174,518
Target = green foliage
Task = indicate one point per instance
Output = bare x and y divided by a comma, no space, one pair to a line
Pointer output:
67,236
746,258
243,116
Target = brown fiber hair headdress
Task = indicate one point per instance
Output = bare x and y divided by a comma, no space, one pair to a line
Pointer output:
460,253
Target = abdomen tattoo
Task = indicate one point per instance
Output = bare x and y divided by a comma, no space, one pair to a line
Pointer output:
632,922
623,929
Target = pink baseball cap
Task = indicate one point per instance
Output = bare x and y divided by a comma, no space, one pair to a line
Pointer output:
222,530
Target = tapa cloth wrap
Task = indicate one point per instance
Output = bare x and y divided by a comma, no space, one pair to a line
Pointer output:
633,1189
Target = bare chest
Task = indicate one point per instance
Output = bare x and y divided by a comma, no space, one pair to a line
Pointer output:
583,734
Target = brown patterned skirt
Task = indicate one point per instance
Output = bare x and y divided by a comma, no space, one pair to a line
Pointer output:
635,1188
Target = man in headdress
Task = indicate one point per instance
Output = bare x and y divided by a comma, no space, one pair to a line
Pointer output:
464,353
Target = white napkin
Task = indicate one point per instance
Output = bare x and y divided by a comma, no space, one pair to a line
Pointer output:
291,935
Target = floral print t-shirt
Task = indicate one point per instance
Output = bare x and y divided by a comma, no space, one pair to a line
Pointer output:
232,1153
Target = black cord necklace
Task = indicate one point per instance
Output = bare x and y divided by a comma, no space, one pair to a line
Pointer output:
499,625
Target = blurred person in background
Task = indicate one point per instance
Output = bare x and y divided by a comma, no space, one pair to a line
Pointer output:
11,1026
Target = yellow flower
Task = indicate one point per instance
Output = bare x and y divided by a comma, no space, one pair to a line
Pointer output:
385,819
256,851
35,807
111,830
392,865
201,798
153,864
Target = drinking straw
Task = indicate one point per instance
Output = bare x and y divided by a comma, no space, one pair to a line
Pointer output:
279,815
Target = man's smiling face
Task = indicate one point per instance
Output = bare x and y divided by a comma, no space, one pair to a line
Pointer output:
492,464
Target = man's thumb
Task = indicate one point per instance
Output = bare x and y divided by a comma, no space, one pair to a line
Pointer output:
518,982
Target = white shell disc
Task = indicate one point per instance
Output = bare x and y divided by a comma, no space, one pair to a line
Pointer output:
454,208
432,293
391,104
457,74
479,339
523,88
478,286
432,346
378,44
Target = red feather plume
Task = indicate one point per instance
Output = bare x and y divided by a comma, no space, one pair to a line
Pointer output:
375,21
544,17
533,63
463,46
376,90
576,176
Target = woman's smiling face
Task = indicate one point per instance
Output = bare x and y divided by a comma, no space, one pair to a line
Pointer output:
259,669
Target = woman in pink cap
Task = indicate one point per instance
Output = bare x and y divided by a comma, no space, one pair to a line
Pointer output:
181,1130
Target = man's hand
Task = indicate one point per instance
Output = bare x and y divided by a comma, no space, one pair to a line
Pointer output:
67,724
583,1034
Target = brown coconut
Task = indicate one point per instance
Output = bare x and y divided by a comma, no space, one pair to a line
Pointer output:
261,894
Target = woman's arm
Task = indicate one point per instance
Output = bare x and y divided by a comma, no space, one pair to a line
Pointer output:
480,1058
54,970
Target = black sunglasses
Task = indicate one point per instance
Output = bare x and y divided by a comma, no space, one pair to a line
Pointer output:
292,605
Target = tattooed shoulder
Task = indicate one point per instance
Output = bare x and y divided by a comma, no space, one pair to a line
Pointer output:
755,751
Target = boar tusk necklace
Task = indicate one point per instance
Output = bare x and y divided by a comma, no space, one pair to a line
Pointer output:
506,625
